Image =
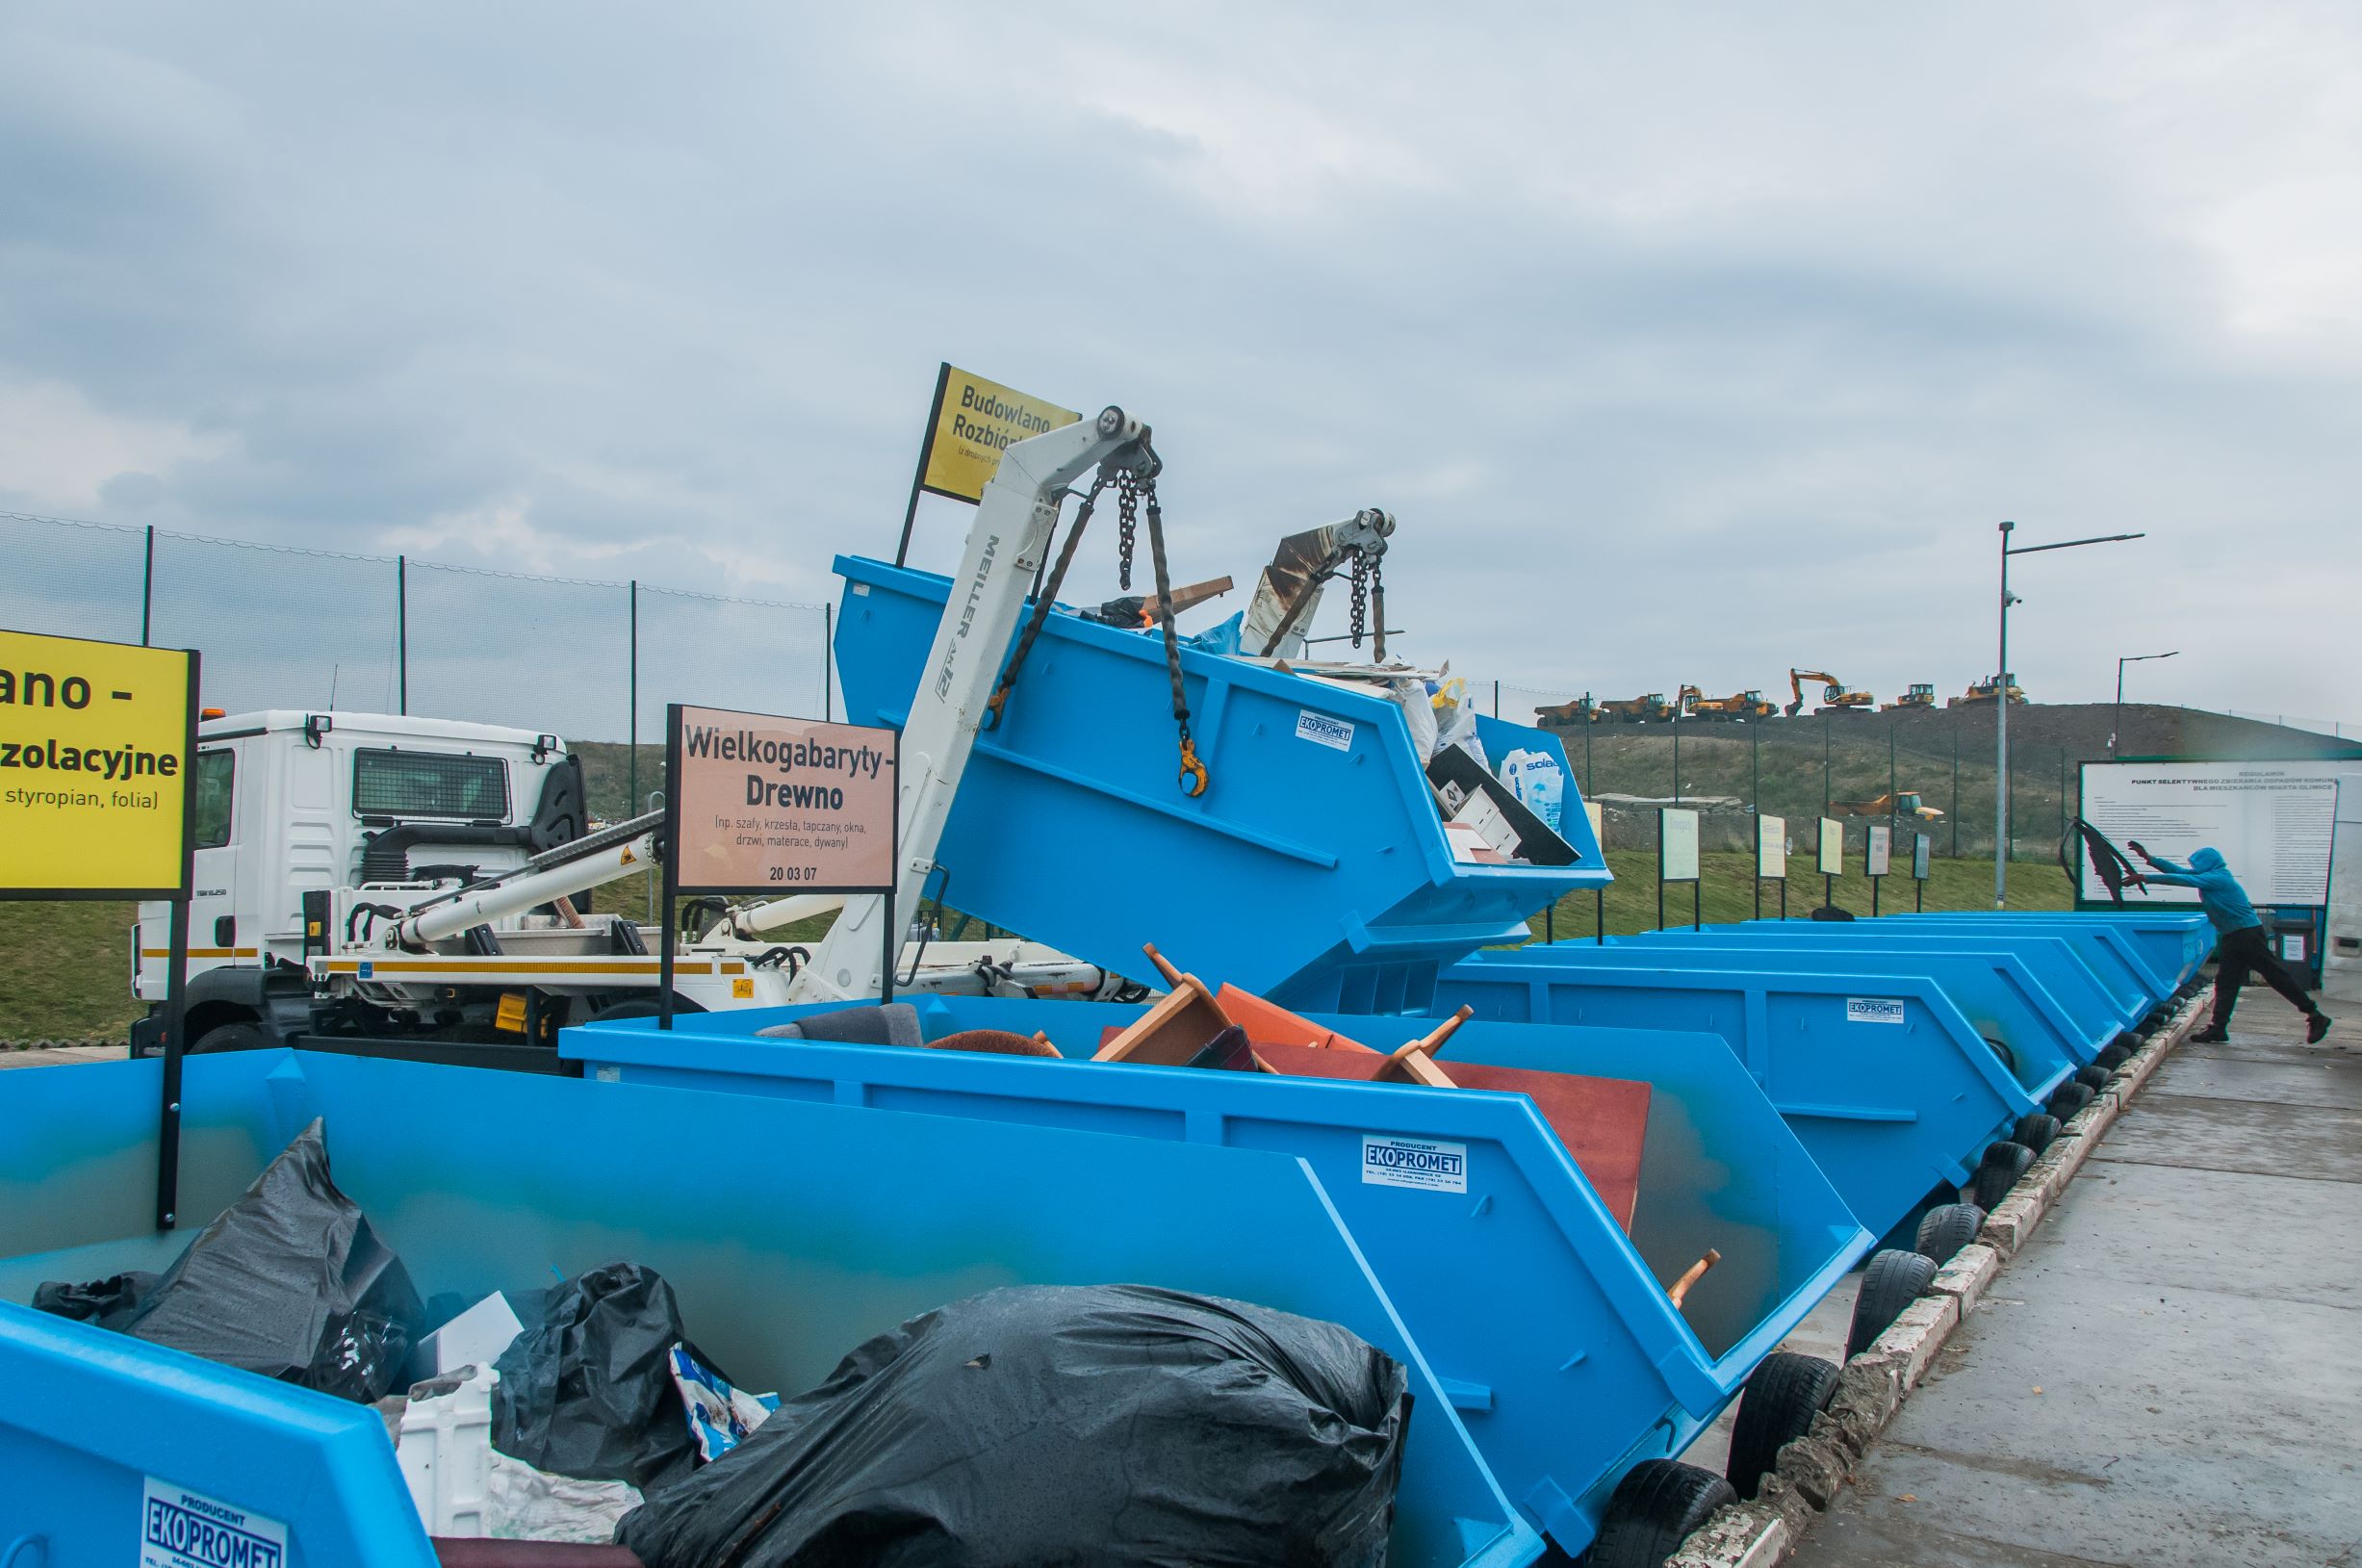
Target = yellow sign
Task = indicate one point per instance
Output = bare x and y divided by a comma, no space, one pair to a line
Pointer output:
974,421
96,747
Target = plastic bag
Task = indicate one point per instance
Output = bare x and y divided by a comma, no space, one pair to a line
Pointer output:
1104,1425
110,1303
292,1282
720,1417
587,1390
1538,783
1419,713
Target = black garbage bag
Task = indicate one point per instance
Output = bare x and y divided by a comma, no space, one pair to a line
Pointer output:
292,1282
110,1303
587,1389
1102,1425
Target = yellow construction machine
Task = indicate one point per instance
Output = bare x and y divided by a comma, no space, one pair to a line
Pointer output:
1983,692
1693,703
1906,804
1922,694
1834,694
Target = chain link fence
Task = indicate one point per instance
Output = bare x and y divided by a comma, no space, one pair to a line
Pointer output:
282,627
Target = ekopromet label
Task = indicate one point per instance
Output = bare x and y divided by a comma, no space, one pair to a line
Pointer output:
1414,1162
1873,1010
1323,730
181,1529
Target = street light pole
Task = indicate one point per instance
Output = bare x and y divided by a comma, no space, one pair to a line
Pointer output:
2001,701
2117,724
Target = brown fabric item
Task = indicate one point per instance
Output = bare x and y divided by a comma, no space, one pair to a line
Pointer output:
994,1043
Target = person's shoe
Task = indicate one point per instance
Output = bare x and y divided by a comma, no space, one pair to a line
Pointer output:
2319,1027
2211,1037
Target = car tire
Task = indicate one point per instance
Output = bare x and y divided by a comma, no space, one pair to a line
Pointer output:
2068,1100
2038,1130
1944,1230
1998,1172
1782,1395
2094,1078
2002,1049
2111,1058
1893,1280
1652,1512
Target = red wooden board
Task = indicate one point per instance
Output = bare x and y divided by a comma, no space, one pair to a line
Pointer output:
1602,1122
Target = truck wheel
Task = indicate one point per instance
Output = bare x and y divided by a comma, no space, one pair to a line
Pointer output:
2038,1130
231,1037
2067,1099
1653,1510
1782,1395
1946,1230
1893,1280
1998,1172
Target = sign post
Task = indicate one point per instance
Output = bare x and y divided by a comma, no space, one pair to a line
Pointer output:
759,803
1830,859
1677,858
1599,835
1877,857
970,424
1919,852
96,743
1771,860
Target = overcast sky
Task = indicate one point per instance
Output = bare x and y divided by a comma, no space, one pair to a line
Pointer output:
1687,343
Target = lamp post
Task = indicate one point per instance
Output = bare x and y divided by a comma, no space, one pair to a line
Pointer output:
2117,724
2001,701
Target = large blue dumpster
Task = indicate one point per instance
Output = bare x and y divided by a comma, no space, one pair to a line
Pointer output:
792,1232
1548,1324
2114,957
2006,998
2173,942
1890,1090
1316,848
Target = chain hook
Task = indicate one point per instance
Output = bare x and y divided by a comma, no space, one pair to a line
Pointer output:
1193,776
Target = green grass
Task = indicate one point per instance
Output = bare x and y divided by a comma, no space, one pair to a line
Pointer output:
65,971
1726,893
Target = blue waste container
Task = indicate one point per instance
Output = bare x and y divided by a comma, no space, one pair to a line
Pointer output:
1548,1324
1317,849
791,1233
2114,956
2173,943
1883,1080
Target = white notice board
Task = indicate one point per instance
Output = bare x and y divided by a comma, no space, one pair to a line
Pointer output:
1877,850
1676,844
1771,848
2272,821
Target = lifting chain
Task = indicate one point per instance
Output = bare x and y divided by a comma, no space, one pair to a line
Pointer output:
1042,602
1360,605
1193,775
1127,524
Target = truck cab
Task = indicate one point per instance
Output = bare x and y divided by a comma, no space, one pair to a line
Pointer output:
289,802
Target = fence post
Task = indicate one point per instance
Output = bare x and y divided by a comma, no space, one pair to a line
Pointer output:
2062,797
828,655
631,728
1824,764
1955,789
147,584
402,631
1676,764
1495,699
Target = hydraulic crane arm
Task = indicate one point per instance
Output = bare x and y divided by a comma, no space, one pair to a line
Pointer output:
618,852
1289,588
1005,548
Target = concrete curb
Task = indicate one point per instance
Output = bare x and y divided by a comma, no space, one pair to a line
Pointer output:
1873,1385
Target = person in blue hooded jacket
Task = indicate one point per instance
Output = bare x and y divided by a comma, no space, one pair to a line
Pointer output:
2239,948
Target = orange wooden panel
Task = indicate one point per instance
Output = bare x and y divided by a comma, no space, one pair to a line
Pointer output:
1602,1122
1270,1022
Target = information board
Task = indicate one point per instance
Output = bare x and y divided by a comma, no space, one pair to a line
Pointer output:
2272,821
1920,850
1831,857
972,422
1676,844
1877,850
96,740
768,803
1771,848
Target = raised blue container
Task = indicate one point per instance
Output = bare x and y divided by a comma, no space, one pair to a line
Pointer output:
2114,956
1313,868
1881,1078
1545,1321
2008,997
791,1233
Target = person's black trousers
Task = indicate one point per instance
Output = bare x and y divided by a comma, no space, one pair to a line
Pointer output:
2241,953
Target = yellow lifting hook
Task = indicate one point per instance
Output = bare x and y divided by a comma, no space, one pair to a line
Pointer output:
1193,771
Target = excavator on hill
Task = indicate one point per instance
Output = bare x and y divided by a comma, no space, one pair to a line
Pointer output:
1693,703
1835,696
1981,693
1585,710
1906,804
1922,694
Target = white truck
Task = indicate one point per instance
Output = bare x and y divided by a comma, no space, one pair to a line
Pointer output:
408,885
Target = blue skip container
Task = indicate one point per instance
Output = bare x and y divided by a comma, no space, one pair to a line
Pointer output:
1314,866
791,1233
1548,1324
2114,957
2171,944
1881,1078
2011,999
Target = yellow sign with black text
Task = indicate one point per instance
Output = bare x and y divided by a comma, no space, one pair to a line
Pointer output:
974,421
97,745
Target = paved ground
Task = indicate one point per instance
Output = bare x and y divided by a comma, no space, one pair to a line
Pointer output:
2171,1375
58,1055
